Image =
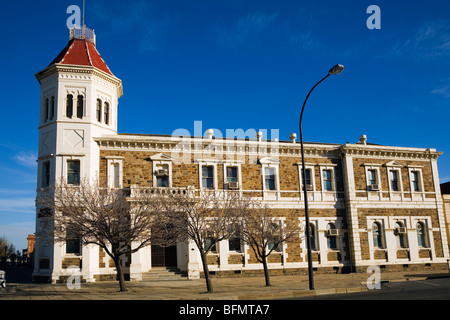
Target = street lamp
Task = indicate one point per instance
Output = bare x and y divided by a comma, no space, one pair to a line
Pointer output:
335,70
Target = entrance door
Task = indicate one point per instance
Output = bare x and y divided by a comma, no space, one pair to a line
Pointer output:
164,256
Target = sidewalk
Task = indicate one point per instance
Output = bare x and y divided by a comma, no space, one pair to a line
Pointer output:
245,288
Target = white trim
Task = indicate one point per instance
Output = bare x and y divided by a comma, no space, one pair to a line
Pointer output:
111,162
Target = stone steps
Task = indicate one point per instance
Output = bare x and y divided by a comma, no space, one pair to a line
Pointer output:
164,273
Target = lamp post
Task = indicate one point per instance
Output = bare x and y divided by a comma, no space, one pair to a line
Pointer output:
335,70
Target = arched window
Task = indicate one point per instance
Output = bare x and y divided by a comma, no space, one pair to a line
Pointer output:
377,235
80,105
99,110
312,236
69,106
400,235
331,236
421,235
106,113
47,106
52,110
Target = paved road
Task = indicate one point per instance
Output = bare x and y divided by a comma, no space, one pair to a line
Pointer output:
431,289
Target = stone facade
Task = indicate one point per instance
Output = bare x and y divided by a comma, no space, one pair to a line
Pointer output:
351,205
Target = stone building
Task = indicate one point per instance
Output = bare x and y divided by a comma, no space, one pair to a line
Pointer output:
369,204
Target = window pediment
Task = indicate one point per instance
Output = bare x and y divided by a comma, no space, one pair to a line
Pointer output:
394,164
269,160
161,157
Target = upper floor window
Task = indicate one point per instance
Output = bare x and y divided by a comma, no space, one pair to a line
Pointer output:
162,176
69,106
372,176
73,171
394,180
106,113
415,181
327,179
49,108
80,106
99,110
269,178
208,177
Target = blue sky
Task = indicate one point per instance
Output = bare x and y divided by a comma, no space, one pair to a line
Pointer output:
235,64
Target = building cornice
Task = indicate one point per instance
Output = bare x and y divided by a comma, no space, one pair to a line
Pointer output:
248,146
80,70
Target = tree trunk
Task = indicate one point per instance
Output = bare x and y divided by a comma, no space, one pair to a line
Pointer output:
266,271
120,274
206,272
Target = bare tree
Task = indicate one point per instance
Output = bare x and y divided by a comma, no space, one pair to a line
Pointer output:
6,250
264,232
102,216
204,218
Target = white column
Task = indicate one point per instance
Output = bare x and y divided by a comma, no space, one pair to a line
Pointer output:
194,261
136,264
90,262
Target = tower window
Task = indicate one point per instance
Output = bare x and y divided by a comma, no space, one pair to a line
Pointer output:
99,110
73,171
69,106
80,107
106,113
46,174
52,110
47,106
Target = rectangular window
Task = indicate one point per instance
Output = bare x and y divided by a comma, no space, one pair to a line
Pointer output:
46,174
208,177
234,243
80,107
308,177
73,243
327,180
116,173
162,181
393,176
372,177
269,177
232,174
415,179
210,243
73,171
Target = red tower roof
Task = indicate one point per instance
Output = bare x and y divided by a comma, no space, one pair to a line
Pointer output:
81,52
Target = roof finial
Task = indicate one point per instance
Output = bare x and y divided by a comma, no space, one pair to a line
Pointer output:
83,15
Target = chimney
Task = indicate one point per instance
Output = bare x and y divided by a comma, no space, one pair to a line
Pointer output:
209,133
293,136
259,135
362,139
